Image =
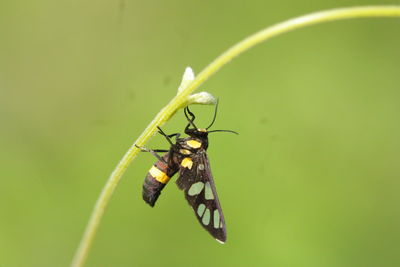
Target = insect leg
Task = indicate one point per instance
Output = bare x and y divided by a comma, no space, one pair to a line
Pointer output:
175,134
168,137
187,111
153,152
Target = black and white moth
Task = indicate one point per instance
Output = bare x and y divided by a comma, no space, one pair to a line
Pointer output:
188,156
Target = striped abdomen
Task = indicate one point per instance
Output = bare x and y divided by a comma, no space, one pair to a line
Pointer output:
157,177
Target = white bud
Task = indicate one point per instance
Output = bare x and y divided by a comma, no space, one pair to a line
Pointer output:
203,98
188,77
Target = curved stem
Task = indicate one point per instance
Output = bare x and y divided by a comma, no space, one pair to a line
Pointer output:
179,100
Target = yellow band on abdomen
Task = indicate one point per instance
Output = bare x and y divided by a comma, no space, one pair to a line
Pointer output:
159,175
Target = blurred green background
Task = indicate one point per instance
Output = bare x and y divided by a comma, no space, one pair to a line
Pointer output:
312,179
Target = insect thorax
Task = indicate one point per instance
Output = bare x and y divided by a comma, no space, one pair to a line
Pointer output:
189,145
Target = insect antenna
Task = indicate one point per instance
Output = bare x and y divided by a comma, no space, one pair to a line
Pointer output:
227,131
215,116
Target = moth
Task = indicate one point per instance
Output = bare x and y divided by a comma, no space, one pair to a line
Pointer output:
188,156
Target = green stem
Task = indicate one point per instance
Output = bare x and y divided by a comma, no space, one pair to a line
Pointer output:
180,100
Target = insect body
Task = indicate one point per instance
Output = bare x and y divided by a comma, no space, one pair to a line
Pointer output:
188,156
157,177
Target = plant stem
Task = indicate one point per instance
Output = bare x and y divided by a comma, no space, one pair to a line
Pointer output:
179,100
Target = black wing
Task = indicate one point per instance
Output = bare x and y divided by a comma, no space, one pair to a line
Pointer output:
196,180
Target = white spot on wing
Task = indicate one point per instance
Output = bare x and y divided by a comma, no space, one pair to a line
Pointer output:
200,209
208,192
216,219
196,189
206,217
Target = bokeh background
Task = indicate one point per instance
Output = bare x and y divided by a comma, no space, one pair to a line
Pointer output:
312,179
